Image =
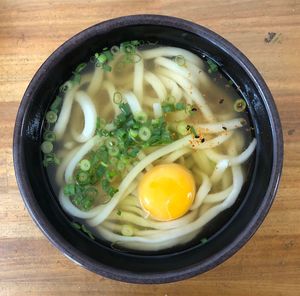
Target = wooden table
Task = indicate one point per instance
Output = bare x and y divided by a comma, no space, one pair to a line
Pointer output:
270,263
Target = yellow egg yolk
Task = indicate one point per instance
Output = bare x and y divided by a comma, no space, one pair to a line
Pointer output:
167,191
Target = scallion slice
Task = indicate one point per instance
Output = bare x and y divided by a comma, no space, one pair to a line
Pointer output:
144,133
85,165
51,117
47,147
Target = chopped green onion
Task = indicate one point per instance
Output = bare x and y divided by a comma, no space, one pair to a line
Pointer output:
106,68
115,49
91,192
82,178
50,158
76,225
127,230
204,241
80,67
56,104
113,151
194,132
133,133
180,106
167,108
141,117
128,48
239,105
111,142
76,78
144,133
121,165
67,85
119,213
102,58
51,117
88,232
117,98
69,190
181,128
179,60
113,161
47,147
49,136
84,165
213,67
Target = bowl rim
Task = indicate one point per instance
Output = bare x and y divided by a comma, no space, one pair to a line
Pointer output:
161,277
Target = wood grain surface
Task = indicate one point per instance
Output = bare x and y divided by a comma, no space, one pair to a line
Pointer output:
269,264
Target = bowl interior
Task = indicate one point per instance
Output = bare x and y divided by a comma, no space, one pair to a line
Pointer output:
144,267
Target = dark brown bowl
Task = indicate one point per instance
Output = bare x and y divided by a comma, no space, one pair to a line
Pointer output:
240,222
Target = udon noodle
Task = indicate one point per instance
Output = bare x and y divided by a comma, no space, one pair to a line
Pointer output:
201,124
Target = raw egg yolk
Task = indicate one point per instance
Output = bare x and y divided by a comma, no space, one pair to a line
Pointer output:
167,191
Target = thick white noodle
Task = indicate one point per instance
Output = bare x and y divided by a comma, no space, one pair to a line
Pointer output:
65,112
185,141
138,80
68,206
175,68
190,88
149,223
219,170
111,90
95,83
202,192
200,75
133,102
218,127
196,224
90,117
233,160
59,176
83,150
172,157
218,196
157,85
157,110
172,86
168,51
203,162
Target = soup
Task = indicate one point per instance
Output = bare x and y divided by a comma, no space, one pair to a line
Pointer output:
145,145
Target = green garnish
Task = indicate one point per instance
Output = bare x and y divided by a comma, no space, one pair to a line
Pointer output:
128,48
51,117
180,60
127,230
192,129
213,67
49,136
180,106
117,98
119,213
50,158
239,105
55,106
83,228
168,107
84,164
46,147
204,241
144,133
